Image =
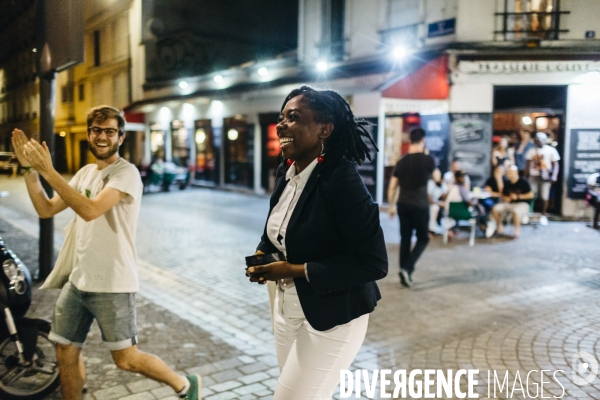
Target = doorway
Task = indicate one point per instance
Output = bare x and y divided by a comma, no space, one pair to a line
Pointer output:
536,109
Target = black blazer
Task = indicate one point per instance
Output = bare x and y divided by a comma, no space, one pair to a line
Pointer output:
335,230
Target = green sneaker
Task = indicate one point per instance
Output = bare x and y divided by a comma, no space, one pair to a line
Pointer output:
195,391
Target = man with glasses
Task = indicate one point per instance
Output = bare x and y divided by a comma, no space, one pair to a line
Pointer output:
106,199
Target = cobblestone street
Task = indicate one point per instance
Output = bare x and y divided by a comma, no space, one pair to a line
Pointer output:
502,305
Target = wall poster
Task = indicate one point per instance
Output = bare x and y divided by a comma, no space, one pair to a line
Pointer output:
584,160
471,144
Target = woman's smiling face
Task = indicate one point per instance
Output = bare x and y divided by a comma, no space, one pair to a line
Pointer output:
299,135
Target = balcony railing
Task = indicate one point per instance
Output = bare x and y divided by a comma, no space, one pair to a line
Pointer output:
531,25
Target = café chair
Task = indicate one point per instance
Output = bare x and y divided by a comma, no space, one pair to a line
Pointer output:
459,211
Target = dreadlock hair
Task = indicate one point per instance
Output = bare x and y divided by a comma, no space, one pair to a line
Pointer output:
347,138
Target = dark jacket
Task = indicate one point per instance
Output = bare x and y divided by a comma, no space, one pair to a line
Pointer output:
335,230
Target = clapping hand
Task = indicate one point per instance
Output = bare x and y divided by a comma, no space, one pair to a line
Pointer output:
38,156
19,140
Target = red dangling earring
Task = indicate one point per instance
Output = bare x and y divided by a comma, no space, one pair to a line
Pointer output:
321,158
289,162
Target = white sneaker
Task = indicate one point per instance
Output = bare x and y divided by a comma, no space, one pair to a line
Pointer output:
543,220
525,219
491,228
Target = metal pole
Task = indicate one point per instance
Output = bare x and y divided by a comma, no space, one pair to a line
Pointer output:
47,103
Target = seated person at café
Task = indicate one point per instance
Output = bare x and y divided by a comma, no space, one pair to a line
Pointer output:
449,175
436,190
593,195
516,196
459,192
494,186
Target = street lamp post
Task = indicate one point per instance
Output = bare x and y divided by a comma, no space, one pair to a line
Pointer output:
59,46
47,105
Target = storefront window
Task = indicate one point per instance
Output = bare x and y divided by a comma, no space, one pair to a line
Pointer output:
180,144
397,142
206,157
271,157
157,142
239,152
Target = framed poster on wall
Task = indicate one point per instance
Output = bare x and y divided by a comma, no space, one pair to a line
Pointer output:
584,160
437,128
471,144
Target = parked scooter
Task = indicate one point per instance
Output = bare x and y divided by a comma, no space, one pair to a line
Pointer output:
28,367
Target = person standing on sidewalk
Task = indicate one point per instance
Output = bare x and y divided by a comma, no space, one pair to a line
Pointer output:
411,174
106,198
542,170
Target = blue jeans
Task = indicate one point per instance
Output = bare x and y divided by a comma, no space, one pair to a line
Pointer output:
76,310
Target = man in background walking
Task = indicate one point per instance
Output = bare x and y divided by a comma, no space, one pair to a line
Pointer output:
411,175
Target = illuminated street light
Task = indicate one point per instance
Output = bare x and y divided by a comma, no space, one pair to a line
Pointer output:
263,71
399,52
218,79
232,134
183,84
527,120
322,66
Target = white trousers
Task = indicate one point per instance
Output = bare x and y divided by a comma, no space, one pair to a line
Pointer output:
434,210
309,360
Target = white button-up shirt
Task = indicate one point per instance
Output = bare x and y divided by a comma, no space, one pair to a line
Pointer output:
283,210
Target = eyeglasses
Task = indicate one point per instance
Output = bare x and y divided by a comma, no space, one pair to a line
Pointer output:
96,131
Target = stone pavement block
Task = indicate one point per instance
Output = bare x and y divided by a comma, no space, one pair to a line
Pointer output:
226,375
221,387
254,388
252,368
139,396
227,364
271,383
259,376
115,392
223,396
202,370
206,392
143,385
247,359
162,392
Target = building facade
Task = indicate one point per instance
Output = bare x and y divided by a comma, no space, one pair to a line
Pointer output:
103,78
19,89
203,95
468,71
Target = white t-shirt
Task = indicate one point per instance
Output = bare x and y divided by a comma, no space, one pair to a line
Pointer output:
593,179
436,191
541,159
106,259
449,180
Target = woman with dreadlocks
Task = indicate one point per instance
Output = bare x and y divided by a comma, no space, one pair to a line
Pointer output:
325,222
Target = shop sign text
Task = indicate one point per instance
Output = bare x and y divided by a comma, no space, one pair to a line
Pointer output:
521,67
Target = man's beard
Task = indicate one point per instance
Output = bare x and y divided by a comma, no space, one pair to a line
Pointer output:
111,151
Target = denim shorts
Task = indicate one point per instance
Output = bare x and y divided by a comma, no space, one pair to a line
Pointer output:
76,310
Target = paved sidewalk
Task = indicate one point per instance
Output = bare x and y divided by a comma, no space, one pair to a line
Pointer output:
504,305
